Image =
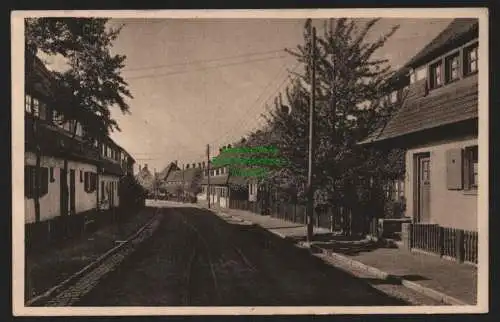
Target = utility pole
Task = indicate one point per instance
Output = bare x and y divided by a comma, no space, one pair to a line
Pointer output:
208,177
183,184
310,188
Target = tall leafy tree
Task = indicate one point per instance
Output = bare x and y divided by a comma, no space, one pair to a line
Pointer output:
91,85
351,85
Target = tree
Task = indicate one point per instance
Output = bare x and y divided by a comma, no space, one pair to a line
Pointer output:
91,85
351,86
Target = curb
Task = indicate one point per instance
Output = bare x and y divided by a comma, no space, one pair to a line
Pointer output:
429,292
435,295
60,287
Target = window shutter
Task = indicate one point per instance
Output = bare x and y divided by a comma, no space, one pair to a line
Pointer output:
454,175
466,169
44,181
28,181
86,182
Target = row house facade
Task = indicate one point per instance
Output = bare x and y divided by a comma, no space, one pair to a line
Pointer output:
94,167
437,125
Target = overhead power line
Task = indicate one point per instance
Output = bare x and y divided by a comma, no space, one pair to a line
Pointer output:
204,68
244,121
204,60
251,107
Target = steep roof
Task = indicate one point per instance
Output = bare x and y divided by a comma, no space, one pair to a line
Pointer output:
450,104
186,175
166,171
220,180
460,29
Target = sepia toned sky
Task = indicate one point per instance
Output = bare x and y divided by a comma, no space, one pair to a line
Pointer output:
206,81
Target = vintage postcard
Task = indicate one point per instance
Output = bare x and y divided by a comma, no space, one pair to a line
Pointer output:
198,162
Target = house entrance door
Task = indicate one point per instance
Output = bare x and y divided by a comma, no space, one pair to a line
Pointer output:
63,179
424,188
72,192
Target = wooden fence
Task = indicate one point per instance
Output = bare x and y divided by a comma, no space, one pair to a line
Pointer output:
458,244
333,218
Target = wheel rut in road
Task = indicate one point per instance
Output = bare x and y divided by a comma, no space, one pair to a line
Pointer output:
198,259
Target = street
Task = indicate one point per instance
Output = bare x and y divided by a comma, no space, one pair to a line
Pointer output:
198,259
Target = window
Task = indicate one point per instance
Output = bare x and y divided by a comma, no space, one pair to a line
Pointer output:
27,103
30,181
81,176
435,75
452,68
34,106
470,60
57,118
471,168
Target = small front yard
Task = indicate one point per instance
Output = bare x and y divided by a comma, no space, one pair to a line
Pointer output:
47,268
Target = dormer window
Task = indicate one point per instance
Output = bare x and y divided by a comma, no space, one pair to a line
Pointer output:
452,68
470,60
27,104
435,80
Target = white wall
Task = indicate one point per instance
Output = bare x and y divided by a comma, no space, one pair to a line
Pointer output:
50,203
448,208
84,201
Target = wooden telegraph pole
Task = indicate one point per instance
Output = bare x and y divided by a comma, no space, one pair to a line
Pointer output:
183,184
310,188
208,177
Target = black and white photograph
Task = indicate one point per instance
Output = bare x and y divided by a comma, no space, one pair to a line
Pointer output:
250,161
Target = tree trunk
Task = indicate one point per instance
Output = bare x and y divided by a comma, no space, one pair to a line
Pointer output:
65,196
36,197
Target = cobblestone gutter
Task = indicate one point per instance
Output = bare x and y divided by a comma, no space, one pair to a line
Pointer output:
81,283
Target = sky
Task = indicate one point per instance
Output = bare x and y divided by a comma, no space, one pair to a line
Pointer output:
207,81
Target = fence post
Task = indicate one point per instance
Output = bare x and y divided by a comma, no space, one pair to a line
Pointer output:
441,241
459,245
330,215
410,236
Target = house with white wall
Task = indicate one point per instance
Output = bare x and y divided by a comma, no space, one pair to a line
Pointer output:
438,128
78,174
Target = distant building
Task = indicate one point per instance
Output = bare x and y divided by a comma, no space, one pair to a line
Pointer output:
183,183
145,178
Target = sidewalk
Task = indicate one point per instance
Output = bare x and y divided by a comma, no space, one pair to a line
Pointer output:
425,274
284,229
45,269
